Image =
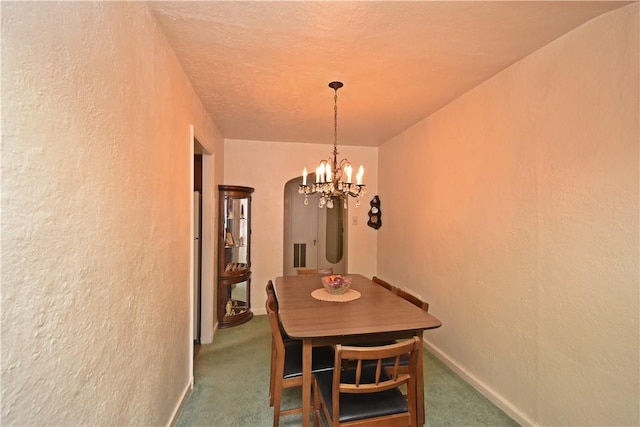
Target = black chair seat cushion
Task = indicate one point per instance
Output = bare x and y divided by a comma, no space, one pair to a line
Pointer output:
360,406
322,359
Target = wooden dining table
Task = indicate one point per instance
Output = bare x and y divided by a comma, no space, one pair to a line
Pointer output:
376,315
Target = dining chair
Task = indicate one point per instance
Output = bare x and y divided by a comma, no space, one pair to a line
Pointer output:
315,271
413,299
404,361
368,394
271,293
286,365
384,284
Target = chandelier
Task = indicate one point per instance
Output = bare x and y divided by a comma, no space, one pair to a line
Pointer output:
334,179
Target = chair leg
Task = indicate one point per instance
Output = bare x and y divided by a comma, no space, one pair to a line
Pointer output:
413,404
277,394
272,374
316,405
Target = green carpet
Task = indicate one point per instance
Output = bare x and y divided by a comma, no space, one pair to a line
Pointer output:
232,387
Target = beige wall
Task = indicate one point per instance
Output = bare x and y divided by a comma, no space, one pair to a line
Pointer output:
521,228
267,166
95,215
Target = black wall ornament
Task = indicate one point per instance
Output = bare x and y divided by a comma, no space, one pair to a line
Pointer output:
375,214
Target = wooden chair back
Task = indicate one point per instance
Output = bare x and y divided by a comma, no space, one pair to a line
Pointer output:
384,284
272,312
315,271
271,291
378,378
413,299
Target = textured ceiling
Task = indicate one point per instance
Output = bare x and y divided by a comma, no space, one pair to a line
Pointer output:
261,68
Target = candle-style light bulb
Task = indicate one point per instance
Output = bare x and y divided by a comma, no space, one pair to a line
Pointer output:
359,175
348,171
321,168
304,176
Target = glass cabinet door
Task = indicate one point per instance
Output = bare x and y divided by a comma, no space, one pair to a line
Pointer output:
236,234
234,255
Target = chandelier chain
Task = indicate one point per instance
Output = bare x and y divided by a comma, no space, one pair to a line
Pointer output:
335,124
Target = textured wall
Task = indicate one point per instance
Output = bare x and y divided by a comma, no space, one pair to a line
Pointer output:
95,216
521,227
267,166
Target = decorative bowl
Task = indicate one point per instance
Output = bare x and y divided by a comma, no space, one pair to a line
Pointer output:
336,284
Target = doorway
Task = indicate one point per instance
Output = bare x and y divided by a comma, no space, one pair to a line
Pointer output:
203,238
197,243
313,237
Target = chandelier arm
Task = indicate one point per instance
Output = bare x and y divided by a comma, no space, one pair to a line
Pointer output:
359,191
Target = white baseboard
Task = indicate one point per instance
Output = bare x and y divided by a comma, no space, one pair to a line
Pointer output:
482,388
209,339
213,333
260,311
183,400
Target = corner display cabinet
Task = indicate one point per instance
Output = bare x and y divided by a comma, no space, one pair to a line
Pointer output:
234,255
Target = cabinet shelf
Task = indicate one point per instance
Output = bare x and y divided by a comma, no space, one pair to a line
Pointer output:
234,274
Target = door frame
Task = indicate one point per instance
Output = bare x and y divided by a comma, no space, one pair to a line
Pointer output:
287,226
207,325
